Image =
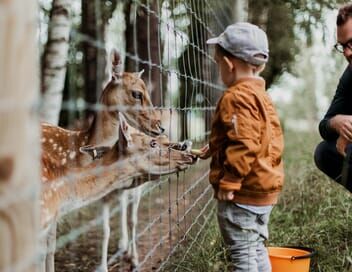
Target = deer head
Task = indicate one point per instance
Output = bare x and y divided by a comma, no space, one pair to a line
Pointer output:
135,155
127,92
148,155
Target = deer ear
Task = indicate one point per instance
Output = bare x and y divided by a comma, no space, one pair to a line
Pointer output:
116,64
96,152
139,74
125,139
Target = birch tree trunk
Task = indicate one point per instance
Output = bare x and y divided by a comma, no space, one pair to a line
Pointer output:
55,60
19,137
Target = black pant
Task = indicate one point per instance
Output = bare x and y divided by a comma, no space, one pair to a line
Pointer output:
329,161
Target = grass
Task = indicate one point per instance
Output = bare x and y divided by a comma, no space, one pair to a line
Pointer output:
312,211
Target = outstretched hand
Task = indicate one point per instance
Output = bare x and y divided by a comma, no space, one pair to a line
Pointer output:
202,153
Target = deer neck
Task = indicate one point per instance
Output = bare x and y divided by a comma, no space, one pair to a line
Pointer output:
80,188
104,130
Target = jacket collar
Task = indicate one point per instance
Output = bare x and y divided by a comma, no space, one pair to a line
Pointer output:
258,82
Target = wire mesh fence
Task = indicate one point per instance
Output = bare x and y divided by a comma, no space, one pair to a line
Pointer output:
166,39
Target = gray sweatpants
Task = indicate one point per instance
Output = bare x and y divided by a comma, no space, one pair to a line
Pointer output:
244,233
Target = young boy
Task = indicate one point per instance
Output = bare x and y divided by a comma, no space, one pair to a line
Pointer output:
246,145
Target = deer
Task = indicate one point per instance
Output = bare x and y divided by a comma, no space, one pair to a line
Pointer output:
126,91
65,190
62,147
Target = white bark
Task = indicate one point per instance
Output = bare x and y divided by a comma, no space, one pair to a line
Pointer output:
240,11
19,137
55,60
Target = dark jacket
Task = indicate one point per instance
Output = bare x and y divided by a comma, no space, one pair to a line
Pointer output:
341,104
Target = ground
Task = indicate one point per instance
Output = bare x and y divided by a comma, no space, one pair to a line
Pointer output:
162,223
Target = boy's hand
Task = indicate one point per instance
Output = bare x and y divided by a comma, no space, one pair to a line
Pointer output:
341,145
201,153
225,195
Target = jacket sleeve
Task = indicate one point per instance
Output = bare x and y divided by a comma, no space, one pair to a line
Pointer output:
240,116
339,105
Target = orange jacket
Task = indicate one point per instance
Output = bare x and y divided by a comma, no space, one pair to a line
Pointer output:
246,144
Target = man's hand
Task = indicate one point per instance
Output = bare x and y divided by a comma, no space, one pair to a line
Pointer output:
225,195
341,145
343,125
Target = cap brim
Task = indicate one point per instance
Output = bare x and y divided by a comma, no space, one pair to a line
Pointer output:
213,40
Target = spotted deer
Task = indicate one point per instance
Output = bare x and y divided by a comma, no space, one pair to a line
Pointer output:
134,157
125,91
127,243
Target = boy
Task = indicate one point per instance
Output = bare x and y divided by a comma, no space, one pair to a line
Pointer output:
246,145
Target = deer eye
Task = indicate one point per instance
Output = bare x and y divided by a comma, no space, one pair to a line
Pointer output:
153,143
137,95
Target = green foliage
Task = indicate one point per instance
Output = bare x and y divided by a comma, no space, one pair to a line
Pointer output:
285,22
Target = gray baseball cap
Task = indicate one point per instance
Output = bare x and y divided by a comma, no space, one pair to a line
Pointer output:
244,41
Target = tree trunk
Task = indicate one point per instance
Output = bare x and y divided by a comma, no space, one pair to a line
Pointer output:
55,60
93,56
240,11
277,19
192,63
259,12
19,138
143,40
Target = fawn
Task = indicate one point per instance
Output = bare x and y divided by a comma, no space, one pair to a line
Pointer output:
134,157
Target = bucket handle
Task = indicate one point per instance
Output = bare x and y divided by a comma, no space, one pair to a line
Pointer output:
310,255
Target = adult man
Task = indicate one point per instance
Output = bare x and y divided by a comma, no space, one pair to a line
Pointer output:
336,126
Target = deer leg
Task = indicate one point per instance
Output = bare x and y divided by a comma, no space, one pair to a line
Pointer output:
136,194
43,252
106,227
123,242
51,246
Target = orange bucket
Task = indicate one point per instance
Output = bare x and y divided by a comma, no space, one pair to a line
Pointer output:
290,259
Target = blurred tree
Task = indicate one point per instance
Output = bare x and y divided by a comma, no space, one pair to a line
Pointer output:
278,20
194,63
240,10
95,16
19,139
283,21
54,60
143,40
